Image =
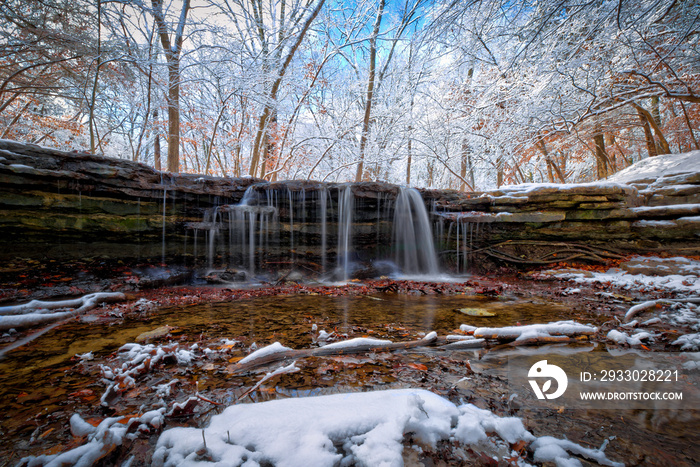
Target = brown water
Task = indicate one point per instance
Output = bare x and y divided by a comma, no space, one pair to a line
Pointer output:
41,384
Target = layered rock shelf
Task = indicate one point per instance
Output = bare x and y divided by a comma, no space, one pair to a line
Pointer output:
56,205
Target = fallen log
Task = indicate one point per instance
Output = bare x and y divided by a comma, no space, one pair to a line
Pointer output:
349,347
636,309
39,312
559,328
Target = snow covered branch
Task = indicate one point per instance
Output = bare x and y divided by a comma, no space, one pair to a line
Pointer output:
39,312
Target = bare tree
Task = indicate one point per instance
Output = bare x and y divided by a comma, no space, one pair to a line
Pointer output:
171,41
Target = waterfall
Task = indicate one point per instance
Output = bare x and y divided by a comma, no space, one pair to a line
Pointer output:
414,251
323,206
467,234
210,220
257,238
165,201
346,207
248,224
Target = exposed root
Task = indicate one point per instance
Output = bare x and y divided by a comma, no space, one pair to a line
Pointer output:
564,252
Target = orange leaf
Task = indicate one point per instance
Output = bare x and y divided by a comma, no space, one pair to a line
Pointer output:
418,366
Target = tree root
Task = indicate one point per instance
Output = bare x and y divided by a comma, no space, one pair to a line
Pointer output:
571,250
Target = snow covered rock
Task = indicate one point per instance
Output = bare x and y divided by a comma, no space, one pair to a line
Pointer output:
352,429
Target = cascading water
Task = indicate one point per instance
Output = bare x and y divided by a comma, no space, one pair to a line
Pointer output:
346,208
165,200
280,224
414,250
248,226
323,215
210,218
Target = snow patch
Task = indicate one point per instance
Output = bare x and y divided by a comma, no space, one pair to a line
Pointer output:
349,429
689,342
633,340
659,166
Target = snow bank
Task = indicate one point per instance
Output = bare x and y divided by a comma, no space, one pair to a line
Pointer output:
688,284
474,424
530,331
531,188
349,429
307,431
653,168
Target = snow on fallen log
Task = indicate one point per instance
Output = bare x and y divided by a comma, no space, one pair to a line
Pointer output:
277,352
39,312
536,331
636,309
265,352
458,342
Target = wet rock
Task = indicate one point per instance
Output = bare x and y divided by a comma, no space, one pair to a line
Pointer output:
227,276
156,333
152,278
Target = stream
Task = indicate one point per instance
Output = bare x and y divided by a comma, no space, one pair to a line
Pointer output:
44,382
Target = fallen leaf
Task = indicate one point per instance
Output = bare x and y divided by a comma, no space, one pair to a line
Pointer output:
418,366
478,312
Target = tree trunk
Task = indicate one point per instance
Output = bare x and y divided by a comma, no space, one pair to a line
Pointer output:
612,159
552,166
465,164
173,116
601,158
410,155
499,171
662,147
172,57
156,143
648,137
260,146
359,175
98,63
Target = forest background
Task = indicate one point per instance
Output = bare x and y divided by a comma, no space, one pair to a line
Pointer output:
466,95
